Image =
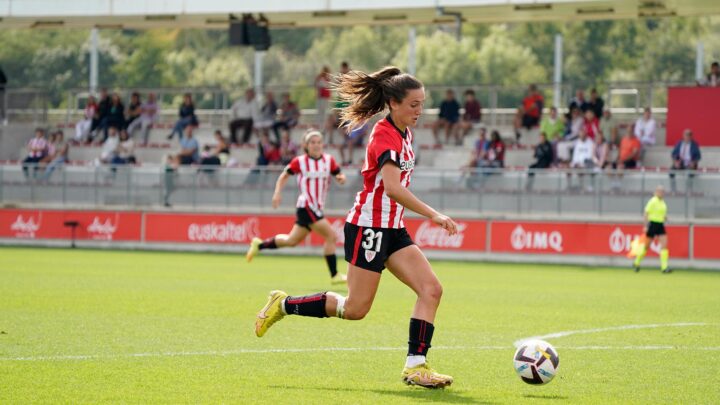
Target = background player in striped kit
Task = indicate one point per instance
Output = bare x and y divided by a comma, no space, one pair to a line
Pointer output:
375,235
313,170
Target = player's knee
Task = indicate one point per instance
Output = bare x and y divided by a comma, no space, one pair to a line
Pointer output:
355,312
432,291
331,240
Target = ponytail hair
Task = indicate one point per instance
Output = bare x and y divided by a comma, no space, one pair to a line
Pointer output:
370,94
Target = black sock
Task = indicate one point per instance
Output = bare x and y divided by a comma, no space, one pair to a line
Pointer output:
421,333
332,264
268,243
308,305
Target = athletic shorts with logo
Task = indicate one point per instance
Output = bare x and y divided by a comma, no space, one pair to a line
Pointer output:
306,217
369,248
655,229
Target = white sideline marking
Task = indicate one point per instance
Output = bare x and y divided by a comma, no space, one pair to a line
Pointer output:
612,328
321,349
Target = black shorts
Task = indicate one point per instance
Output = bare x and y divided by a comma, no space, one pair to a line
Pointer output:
630,164
369,248
655,229
529,121
305,217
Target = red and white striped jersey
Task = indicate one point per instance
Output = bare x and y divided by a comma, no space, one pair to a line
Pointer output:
373,208
313,178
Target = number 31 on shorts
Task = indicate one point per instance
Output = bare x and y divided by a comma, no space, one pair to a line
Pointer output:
373,240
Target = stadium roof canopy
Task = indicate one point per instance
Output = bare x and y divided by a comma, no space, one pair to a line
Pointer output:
316,13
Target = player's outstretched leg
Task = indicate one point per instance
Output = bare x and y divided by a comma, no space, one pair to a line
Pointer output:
362,283
297,234
323,228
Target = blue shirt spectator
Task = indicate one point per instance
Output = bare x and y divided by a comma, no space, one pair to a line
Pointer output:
190,152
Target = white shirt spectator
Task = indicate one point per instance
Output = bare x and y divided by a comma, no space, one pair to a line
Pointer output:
109,148
243,109
645,131
582,152
37,147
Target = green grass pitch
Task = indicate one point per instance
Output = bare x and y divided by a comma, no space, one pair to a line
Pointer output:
136,327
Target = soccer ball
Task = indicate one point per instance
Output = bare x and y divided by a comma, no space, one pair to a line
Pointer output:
536,362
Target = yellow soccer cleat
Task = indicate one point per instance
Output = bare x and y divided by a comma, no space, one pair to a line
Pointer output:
254,249
271,312
424,376
338,279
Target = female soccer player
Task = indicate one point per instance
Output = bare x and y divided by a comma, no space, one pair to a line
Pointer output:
313,169
655,217
375,235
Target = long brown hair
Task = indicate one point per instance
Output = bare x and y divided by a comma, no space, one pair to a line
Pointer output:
370,94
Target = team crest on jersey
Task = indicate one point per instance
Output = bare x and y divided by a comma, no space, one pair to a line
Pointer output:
369,255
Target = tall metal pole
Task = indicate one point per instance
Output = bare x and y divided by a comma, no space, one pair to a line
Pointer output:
412,65
699,61
93,60
259,55
557,81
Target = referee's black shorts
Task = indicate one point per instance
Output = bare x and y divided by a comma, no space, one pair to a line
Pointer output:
655,229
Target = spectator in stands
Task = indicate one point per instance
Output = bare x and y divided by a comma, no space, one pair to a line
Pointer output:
3,85
645,128
134,109
49,151
608,126
592,125
109,147
553,126
100,123
630,147
322,85
480,150
578,102
148,116
448,117
266,118
713,78
217,155
496,151
596,103
601,153
187,117
471,117
125,151
564,147
116,114
686,156
60,156
189,148
244,111
288,148
353,140
37,149
582,157
83,127
268,152
288,118
543,159
530,113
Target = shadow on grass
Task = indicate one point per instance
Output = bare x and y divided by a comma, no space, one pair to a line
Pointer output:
414,393
539,396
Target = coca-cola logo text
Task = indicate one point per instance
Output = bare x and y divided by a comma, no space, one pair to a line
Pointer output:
431,236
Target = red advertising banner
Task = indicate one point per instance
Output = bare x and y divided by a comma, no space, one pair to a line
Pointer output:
470,236
50,224
211,228
578,238
705,239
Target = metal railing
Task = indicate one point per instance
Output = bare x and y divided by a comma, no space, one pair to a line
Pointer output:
546,193
29,105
